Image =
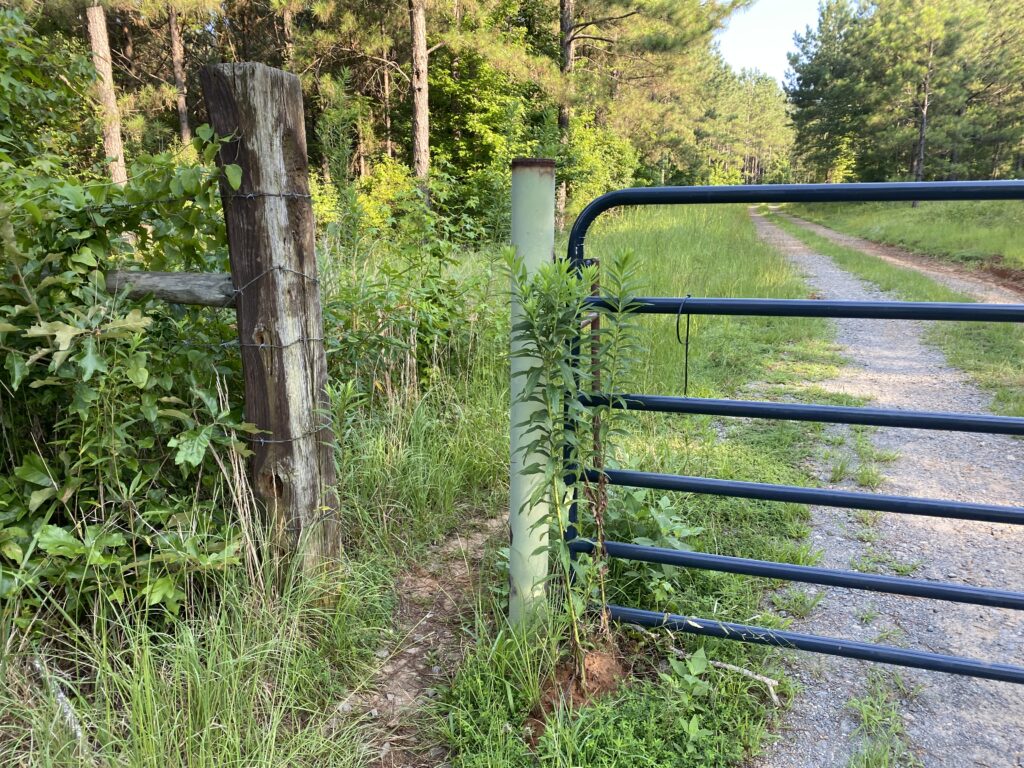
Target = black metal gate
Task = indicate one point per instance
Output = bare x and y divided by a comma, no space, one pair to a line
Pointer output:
960,422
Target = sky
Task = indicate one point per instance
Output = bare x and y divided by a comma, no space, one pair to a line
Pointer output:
760,37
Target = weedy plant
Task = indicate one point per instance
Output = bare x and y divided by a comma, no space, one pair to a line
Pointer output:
573,352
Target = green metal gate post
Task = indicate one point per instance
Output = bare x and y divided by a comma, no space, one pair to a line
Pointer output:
533,236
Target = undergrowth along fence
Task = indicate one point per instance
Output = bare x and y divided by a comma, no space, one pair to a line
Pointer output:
962,422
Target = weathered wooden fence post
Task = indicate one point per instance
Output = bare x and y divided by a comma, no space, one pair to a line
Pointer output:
533,236
277,302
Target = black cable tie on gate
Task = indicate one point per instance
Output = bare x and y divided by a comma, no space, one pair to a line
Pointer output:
686,345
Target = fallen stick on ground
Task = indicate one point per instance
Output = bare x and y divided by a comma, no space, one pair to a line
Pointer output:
769,683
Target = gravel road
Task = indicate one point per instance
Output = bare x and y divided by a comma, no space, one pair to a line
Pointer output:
982,287
951,721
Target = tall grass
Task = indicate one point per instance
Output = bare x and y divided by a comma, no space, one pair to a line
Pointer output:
244,678
658,719
424,439
971,232
257,668
715,252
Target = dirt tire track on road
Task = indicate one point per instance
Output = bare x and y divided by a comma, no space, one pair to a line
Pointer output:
981,285
954,721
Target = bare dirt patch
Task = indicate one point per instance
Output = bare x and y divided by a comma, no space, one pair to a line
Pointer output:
603,672
435,602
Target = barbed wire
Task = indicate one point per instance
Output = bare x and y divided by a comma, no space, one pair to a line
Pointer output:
276,441
256,195
242,345
237,291
145,203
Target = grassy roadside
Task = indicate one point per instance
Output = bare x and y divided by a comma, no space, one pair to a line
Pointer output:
969,232
678,712
992,353
258,668
254,679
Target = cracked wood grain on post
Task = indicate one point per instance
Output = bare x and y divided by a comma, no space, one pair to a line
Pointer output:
273,266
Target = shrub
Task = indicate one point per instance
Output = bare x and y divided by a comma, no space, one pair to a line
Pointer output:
111,412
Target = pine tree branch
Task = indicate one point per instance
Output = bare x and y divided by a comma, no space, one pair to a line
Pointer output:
597,22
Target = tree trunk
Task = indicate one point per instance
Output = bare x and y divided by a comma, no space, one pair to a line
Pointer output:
922,123
128,52
922,135
567,20
389,144
178,65
288,23
99,43
420,103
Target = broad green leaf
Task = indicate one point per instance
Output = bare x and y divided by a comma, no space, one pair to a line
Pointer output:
90,361
37,498
209,400
17,367
57,541
133,322
12,551
148,407
191,446
137,372
698,662
34,470
62,332
233,173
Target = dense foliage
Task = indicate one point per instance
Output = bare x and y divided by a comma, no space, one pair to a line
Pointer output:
109,486
123,445
911,89
619,92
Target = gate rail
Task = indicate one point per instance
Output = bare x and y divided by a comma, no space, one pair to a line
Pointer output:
884,310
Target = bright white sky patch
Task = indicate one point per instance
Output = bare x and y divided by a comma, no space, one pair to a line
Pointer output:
760,38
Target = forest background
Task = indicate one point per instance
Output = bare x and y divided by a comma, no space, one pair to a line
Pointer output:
620,93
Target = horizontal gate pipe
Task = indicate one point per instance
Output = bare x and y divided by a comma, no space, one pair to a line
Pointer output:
896,585
832,414
956,510
871,310
788,193
831,646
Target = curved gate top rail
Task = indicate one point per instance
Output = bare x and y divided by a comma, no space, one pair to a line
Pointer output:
961,422
790,193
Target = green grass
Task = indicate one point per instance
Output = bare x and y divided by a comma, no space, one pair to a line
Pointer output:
660,719
883,737
256,676
985,232
424,444
992,353
244,678
797,602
